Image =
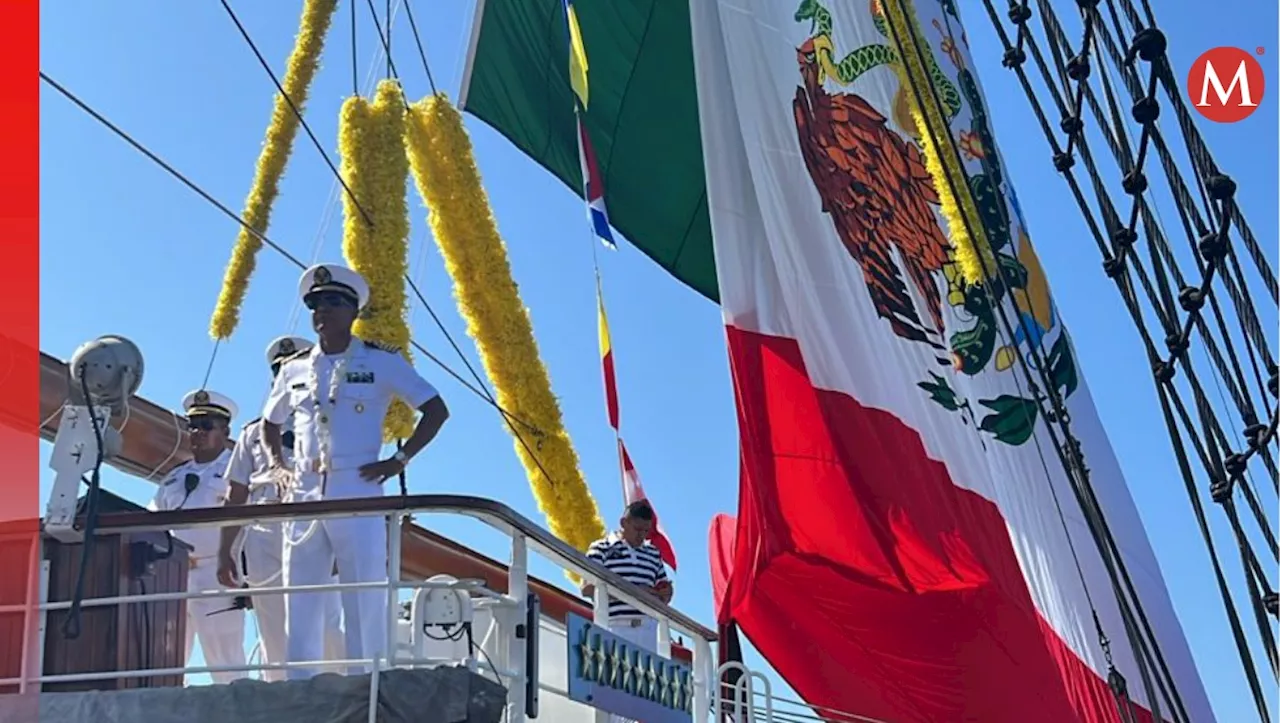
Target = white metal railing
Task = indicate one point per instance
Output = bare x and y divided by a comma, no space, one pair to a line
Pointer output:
509,666
741,701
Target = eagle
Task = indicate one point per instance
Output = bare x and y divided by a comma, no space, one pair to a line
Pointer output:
878,192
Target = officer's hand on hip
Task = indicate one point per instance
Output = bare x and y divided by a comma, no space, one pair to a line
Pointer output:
380,472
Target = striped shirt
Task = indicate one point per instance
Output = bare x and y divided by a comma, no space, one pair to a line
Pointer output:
641,566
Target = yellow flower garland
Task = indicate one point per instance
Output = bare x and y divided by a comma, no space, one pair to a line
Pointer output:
317,15
444,168
371,141
941,162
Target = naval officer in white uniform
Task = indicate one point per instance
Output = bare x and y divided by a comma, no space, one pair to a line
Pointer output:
252,482
338,394
201,482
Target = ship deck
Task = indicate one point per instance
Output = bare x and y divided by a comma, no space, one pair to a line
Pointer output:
436,695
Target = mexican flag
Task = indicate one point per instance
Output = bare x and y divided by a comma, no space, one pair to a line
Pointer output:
908,544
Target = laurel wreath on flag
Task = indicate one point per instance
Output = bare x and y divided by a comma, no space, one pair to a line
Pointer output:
444,169
371,142
317,16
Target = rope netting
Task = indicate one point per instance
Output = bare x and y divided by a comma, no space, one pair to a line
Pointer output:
1097,78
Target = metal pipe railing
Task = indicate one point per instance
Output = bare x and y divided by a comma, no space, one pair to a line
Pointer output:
525,537
495,514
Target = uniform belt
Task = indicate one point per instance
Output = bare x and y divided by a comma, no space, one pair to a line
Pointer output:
337,464
629,621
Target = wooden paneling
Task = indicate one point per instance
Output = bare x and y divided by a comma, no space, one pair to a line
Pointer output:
114,637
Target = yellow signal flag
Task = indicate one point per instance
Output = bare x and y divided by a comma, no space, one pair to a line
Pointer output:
577,57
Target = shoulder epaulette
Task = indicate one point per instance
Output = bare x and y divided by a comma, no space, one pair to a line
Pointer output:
381,347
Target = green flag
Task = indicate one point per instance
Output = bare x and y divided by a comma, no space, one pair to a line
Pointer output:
643,117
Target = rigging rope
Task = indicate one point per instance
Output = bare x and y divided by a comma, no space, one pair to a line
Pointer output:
1215,258
480,389
385,41
297,112
153,157
326,217
422,53
995,282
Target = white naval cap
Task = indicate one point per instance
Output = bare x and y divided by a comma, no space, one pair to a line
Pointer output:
203,402
334,277
287,346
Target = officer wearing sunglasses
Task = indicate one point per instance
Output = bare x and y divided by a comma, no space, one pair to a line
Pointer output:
217,622
262,558
337,395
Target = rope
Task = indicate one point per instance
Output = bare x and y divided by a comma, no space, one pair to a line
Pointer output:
296,111
479,392
386,43
355,62
385,39
1180,314
480,389
911,47
417,39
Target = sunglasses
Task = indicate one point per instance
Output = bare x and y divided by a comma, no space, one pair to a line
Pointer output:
201,425
327,298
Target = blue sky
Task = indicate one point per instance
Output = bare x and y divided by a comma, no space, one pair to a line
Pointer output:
127,250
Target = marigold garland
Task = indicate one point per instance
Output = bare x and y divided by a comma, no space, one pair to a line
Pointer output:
965,249
317,15
371,141
943,167
462,222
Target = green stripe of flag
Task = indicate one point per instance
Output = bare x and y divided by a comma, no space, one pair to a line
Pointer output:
643,117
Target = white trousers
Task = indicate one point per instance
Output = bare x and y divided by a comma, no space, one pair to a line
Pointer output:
221,634
644,634
264,552
358,545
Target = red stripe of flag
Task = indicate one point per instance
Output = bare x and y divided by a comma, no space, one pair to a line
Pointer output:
591,176
633,491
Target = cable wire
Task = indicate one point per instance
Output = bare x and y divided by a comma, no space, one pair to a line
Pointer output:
483,394
1181,315
1068,449
422,53
482,391
386,44
331,203
297,112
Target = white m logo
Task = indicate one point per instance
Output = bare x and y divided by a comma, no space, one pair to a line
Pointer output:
1241,78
